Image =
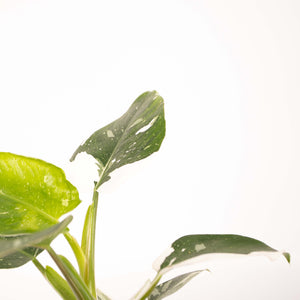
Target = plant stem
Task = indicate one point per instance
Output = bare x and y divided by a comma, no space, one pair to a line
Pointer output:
39,266
88,244
76,283
147,293
93,236
77,250
92,244
57,282
62,268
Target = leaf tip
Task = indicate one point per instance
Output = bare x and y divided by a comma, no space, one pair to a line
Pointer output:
287,256
74,156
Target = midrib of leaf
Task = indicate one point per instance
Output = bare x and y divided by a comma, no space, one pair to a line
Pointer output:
34,208
128,126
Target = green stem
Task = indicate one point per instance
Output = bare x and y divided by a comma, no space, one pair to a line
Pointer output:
92,283
57,282
39,266
76,283
77,250
88,244
149,290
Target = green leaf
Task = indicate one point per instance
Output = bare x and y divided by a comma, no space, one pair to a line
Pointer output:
132,137
15,251
171,286
33,194
192,246
19,258
60,284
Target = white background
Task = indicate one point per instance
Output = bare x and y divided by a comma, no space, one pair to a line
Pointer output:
229,74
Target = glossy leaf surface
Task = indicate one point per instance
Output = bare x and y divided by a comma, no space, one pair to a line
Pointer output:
15,251
171,286
33,194
132,137
192,246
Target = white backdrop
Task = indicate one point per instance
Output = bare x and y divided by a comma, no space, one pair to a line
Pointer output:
229,74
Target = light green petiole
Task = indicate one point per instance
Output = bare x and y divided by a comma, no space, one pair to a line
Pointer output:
39,266
148,288
58,283
74,280
88,244
78,252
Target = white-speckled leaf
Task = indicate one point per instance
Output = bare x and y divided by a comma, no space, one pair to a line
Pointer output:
132,137
15,251
33,194
192,246
171,286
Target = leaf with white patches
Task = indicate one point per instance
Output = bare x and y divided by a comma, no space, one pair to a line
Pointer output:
132,137
171,286
33,194
189,247
15,251
19,258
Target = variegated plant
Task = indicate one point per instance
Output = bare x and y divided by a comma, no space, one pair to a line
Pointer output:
35,194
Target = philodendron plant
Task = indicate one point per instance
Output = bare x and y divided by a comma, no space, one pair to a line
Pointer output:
34,195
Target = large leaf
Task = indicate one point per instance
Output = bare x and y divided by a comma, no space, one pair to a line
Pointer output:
134,136
15,251
171,286
33,194
191,246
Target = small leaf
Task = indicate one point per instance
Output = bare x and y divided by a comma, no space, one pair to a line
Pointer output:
15,251
171,286
134,136
192,246
33,194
